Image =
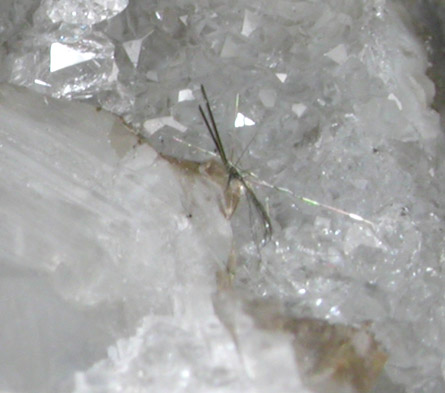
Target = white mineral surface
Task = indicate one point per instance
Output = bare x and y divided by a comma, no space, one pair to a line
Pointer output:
97,233
113,259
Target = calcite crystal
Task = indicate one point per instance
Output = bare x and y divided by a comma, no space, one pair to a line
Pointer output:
327,102
97,231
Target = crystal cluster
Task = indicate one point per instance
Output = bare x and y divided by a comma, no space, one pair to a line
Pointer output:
82,12
328,100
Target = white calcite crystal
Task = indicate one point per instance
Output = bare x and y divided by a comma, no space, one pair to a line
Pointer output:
327,101
98,231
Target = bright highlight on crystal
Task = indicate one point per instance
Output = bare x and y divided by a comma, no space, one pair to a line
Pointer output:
86,12
250,23
393,97
281,76
299,109
41,83
63,56
153,125
243,121
185,95
133,50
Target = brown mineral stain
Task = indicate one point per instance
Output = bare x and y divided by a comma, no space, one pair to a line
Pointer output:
331,357
217,173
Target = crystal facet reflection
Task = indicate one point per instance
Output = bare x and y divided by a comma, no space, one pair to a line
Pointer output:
83,11
63,56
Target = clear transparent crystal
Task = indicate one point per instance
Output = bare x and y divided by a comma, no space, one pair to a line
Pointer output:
86,12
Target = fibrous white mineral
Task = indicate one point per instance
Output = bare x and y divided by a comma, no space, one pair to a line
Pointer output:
97,231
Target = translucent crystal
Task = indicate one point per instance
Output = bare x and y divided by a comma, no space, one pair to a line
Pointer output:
97,231
153,125
281,76
250,23
345,150
268,97
338,54
133,49
230,48
299,109
86,12
166,50
69,62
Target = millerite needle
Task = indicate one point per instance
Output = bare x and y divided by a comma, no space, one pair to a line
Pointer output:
232,170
